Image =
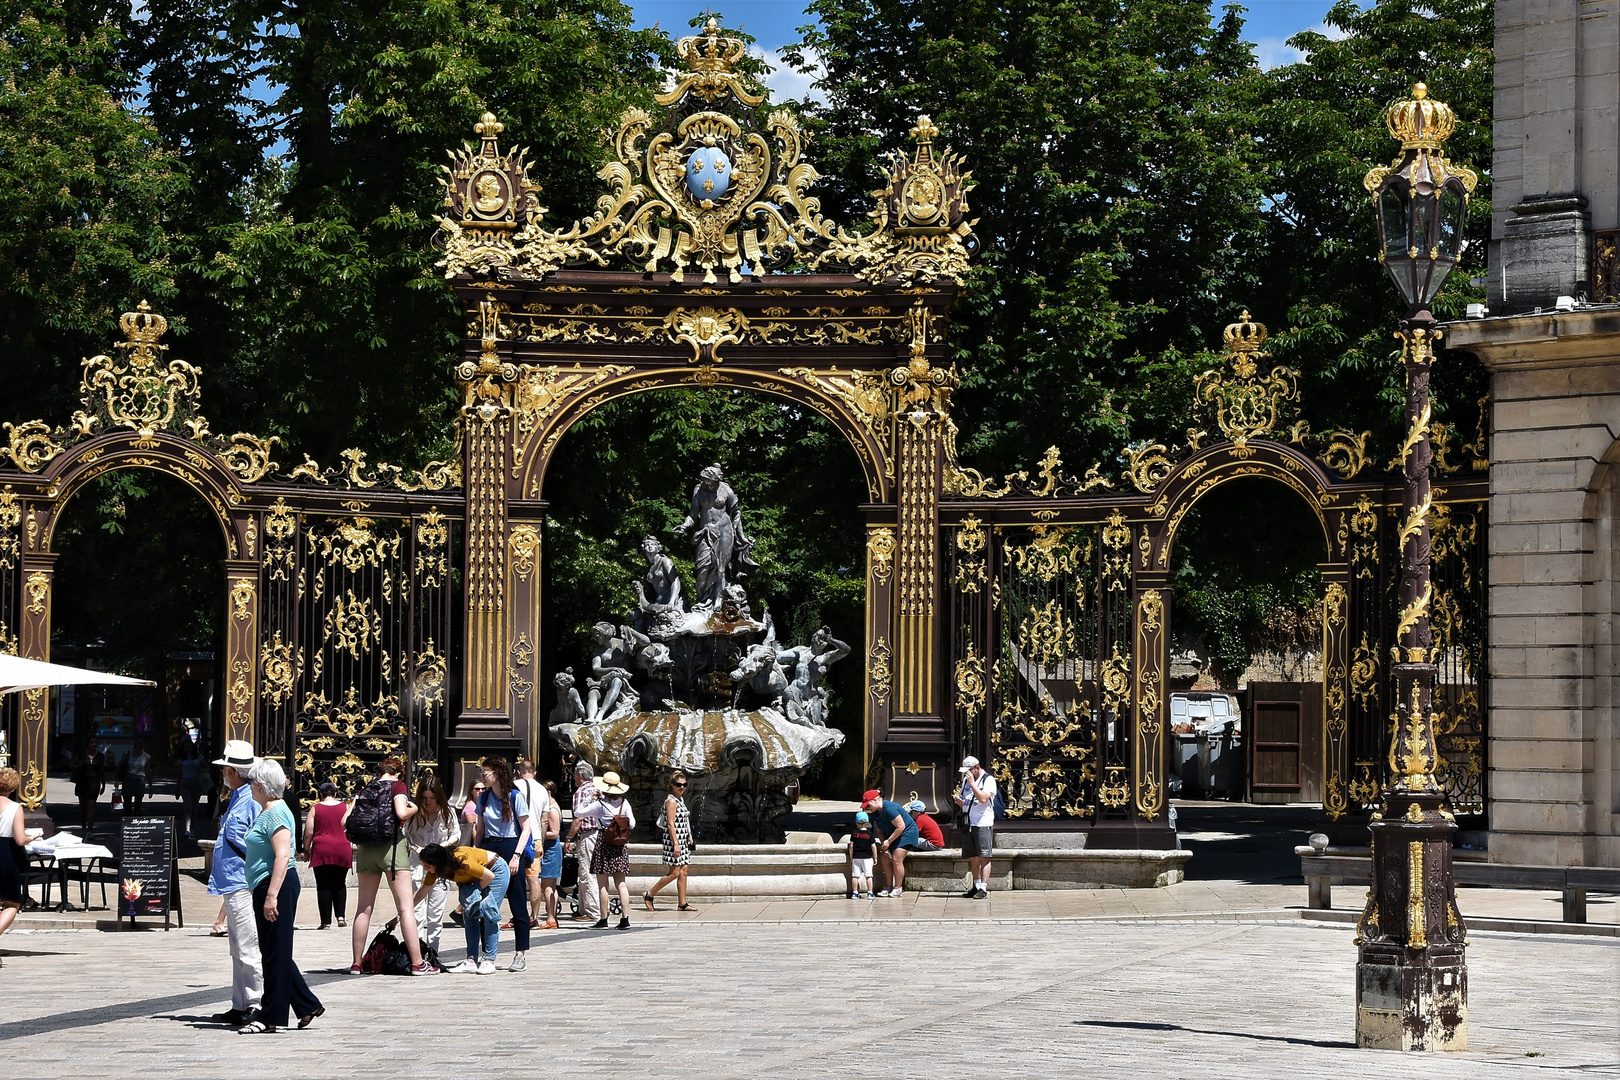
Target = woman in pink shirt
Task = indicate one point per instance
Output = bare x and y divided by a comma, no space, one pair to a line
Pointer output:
329,853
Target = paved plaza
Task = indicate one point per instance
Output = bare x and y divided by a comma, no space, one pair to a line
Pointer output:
748,990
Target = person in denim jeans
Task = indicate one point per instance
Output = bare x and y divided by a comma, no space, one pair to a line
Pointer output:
483,876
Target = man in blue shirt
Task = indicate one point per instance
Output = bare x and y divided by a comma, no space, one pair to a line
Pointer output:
229,880
899,831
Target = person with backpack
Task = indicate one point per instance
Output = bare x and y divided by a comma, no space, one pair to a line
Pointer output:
978,800
611,815
503,827
374,827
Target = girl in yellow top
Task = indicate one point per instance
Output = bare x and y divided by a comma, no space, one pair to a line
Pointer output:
483,876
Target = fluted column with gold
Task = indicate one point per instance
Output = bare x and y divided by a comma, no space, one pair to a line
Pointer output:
486,418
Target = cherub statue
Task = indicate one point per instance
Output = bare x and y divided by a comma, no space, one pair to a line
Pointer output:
807,694
569,708
611,665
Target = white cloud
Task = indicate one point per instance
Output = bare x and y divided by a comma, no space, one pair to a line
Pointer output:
1275,51
787,82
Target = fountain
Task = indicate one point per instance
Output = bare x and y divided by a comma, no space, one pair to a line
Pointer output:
705,689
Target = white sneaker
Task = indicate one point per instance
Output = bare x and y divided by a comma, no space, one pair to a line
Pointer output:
518,963
486,967
466,967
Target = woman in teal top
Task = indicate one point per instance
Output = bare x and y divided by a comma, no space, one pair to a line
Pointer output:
274,882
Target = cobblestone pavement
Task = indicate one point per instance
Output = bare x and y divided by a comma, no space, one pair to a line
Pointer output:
725,995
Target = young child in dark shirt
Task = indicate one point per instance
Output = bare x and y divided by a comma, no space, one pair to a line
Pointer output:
860,858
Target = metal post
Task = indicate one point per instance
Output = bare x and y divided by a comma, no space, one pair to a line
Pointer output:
1411,972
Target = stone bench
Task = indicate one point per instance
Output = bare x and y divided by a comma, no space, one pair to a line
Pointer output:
770,871
1353,866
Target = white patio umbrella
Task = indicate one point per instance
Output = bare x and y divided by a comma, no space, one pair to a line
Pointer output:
17,673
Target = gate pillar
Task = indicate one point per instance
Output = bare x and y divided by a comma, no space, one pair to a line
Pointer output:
34,643
524,692
915,748
1150,700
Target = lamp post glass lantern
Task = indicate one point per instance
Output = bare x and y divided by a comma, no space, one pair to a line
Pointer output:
1411,970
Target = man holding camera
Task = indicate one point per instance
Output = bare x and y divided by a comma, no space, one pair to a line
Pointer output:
978,799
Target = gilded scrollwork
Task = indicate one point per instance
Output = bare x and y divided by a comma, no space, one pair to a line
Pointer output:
353,625
523,546
707,188
879,671
1246,404
1046,635
30,446
970,684
281,664
1054,550
1147,465
880,548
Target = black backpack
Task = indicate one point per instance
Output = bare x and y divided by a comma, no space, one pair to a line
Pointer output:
372,820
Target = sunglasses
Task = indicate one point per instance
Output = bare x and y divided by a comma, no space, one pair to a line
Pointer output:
680,783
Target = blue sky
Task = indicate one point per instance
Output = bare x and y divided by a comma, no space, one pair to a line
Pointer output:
775,23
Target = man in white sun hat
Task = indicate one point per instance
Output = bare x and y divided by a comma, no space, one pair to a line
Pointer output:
229,879
978,799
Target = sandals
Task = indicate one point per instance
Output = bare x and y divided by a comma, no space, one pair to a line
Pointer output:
305,1021
686,907
646,898
256,1027
219,933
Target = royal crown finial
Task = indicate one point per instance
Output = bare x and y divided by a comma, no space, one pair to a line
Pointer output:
1420,122
1245,335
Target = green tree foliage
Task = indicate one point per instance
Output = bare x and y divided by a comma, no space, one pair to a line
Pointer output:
139,574
85,188
1245,576
1116,196
1323,126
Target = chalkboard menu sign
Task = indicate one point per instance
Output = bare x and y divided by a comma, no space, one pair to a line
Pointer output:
147,871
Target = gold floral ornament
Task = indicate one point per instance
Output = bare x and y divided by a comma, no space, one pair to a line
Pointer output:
706,187
1246,404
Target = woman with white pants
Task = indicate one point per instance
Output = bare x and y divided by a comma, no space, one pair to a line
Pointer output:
434,823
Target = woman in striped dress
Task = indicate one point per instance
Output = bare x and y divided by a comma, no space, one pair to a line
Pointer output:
677,825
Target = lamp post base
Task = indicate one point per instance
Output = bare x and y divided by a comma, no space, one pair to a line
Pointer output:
1418,1001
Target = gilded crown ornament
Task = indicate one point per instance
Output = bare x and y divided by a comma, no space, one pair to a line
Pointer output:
1419,122
706,188
1246,405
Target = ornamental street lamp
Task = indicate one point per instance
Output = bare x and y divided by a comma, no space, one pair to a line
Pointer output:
1411,972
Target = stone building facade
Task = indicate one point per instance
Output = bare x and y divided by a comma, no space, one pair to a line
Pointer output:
1555,444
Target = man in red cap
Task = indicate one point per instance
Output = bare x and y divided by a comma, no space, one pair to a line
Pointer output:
899,834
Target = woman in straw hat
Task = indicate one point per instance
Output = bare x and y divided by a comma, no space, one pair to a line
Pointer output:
610,862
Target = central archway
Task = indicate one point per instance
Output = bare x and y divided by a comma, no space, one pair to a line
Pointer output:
626,470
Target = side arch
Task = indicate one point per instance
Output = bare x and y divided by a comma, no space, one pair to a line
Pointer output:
114,451
1196,476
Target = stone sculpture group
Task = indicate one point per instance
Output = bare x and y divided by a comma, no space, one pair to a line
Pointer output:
704,686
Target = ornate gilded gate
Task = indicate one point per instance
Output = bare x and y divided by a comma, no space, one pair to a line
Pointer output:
1024,619
338,581
1061,613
